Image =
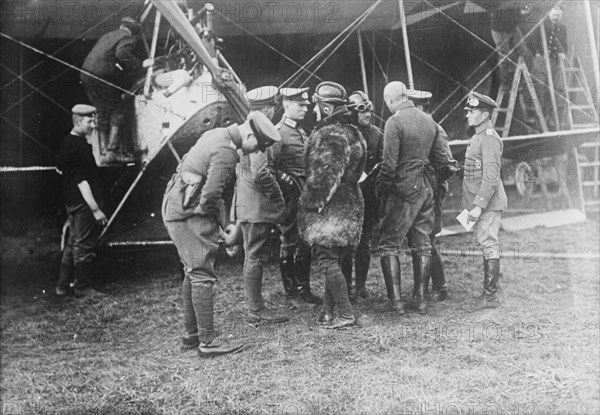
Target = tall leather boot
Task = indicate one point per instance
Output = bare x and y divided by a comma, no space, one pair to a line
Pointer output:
346,266
491,285
362,262
190,338
65,276
302,272
286,266
422,273
253,275
202,301
439,290
390,266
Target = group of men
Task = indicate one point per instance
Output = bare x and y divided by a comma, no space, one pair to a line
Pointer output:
324,193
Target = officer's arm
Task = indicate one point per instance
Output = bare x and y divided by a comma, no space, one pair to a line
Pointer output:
392,135
379,150
262,176
273,153
326,162
491,149
441,156
124,53
86,192
440,151
220,171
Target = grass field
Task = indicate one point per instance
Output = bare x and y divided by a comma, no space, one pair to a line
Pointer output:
537,354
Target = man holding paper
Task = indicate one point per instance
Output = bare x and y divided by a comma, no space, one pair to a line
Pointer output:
483,193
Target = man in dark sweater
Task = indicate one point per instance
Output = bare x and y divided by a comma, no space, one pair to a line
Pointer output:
76,163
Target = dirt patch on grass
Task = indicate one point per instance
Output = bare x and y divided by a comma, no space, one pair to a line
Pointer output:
538,353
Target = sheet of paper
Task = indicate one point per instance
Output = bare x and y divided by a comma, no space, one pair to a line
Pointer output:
363,176
463,219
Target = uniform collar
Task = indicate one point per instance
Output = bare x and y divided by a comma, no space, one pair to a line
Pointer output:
483,126
403,106
289,122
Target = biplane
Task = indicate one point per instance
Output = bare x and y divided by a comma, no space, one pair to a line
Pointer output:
192,87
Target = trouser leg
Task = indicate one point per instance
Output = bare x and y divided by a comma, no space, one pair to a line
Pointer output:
346,267
336,289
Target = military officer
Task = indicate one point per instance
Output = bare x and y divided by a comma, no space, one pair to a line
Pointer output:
191,213
259,209
410,143
288,165
361,108
263,99
483,193
439,290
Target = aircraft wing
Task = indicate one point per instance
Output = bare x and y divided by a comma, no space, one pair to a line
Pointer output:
535,146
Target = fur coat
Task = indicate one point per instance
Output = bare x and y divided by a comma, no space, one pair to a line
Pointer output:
331,205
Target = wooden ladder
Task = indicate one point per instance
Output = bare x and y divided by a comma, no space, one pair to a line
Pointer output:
580,114
506,106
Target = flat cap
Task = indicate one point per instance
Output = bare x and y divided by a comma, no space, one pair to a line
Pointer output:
83,109
262,97
330,92
416,95
477,101
298,95
265,132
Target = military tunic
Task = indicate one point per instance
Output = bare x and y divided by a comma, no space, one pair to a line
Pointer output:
194,226
288,166
410,142
482,186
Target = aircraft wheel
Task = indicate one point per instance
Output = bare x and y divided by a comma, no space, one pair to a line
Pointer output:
526,179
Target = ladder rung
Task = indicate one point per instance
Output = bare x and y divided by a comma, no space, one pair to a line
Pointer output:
589,125
592,203
590,144
589,164
575,89
581,107
590,183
